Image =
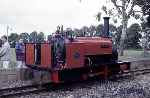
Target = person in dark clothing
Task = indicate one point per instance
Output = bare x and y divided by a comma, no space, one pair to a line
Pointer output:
58,46
20,50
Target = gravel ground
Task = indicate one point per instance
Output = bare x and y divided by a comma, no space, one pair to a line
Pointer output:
13,83
139,87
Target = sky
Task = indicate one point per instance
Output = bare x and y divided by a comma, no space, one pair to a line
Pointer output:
46,15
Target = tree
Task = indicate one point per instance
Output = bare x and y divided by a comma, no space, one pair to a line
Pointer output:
77,32
49,37
112,28
145,40
13,38
25,36
116,36
99,29
92,30
123,10
40,37
145,5
33,36
133,36
84,31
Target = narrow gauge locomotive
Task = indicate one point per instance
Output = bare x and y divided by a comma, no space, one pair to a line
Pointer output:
72,59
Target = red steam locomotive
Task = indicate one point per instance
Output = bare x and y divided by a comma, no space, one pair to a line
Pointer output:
72,59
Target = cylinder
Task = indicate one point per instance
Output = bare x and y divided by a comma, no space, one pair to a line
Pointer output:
106,27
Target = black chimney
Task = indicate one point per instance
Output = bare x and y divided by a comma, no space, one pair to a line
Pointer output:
106,27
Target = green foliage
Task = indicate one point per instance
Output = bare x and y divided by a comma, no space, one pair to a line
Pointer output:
33,36
133,36
40,37
36,37
145,5
77,32
84,31
122,9
98,16
104,8
99,29
93,30
49,37
112,28
13,38
25,36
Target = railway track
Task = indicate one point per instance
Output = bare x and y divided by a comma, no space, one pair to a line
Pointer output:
15,91
137,72
23,90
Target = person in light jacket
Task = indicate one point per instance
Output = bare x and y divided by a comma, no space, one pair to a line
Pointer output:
5,52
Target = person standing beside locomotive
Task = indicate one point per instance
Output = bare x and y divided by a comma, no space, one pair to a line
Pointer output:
20,50
5,52
58,41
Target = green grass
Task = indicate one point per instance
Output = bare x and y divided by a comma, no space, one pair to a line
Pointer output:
134,54
135,49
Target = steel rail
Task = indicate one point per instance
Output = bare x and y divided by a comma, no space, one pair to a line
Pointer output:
138,72
17,91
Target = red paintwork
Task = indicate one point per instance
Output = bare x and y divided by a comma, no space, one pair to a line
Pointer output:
85,39
29,54
46,55
73,49
92,45
55,77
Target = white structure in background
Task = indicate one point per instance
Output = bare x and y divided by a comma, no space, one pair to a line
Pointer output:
8,28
